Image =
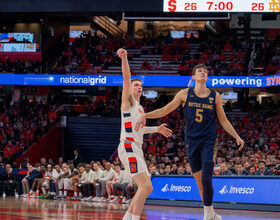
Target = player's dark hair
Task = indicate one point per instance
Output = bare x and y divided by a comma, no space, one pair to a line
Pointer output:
37,165
81,165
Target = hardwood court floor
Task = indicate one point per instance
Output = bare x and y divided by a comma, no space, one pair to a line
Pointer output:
11,208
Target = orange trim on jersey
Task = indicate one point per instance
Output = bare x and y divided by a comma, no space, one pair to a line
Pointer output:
130,139
132,160
140,110
127,145
128,124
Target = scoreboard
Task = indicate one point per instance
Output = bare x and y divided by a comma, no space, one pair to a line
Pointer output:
259,6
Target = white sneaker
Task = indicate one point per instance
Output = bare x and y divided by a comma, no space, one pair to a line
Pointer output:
124,200
25,196
214,217
98,199
116,199
127,201
88,199
4,195
102,199
16,196
95,199
217,217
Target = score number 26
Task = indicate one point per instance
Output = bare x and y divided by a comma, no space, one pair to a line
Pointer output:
188,6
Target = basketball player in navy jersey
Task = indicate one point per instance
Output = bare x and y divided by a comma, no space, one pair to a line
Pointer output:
201,105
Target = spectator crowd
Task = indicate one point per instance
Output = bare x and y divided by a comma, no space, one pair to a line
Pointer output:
23,124
21,66
227,55
107,182
260,155
96,182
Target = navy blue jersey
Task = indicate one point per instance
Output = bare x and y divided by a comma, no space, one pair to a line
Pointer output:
200,114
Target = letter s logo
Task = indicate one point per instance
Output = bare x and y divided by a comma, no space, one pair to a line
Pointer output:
268,82
133,164
133,168
172,5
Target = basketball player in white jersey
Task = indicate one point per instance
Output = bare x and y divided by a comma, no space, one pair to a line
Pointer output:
130,147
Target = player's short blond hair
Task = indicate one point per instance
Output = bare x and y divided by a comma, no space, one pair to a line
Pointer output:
199,66
135,79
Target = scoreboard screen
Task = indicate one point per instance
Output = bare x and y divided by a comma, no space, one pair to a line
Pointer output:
221,6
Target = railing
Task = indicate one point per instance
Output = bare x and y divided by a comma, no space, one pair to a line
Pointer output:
252,58
67,105
62,106
105,23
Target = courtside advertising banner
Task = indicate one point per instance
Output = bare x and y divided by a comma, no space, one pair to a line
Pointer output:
148,80
226,189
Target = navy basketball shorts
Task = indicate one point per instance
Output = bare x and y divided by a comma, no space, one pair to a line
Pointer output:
200,150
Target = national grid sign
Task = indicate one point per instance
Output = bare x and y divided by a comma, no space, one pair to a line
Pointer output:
148,80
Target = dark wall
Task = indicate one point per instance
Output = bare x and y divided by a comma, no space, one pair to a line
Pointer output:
80,5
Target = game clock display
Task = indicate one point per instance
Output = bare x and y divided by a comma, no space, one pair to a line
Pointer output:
221,6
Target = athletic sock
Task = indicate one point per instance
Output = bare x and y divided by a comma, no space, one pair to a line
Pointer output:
65,193
127,216
44,190
75,194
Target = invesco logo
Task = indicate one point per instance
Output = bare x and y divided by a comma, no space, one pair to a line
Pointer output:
237,190
174,188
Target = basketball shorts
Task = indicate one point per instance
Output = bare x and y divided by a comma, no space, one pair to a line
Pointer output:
200,150
132,158
66,184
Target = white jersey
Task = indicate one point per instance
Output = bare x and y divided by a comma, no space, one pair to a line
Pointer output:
129,119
